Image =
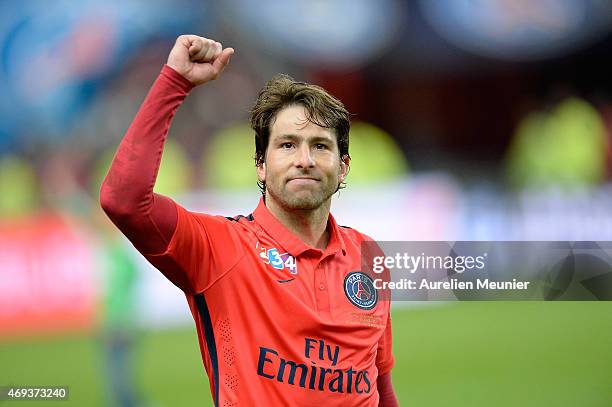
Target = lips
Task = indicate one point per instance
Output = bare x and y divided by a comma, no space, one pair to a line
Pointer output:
303,180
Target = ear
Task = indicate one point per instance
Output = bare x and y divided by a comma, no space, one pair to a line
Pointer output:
261,172
345,166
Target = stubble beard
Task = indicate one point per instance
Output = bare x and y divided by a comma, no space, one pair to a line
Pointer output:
303,200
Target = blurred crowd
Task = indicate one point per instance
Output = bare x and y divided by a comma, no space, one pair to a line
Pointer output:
512,110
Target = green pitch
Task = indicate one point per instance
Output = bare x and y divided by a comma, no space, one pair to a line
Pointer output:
463,354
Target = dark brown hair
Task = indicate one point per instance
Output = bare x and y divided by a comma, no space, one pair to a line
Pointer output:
322,109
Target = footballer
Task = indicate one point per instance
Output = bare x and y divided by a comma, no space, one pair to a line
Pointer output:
283,313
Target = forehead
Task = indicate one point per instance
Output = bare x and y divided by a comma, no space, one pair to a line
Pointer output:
292,120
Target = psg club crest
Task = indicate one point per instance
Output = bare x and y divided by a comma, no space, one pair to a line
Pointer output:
359,289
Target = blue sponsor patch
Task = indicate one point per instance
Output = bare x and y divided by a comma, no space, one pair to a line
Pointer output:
359,289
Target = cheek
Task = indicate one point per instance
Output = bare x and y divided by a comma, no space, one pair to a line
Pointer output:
271,170
335,167
277,163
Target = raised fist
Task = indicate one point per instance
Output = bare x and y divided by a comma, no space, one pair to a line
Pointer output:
198,59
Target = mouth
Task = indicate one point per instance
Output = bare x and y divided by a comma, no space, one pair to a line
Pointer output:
303,180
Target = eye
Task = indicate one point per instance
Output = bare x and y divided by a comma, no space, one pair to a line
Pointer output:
287,145
320,146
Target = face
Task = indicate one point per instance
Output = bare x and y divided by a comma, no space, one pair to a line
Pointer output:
302,168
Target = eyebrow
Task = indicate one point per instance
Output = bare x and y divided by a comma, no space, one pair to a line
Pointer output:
294,137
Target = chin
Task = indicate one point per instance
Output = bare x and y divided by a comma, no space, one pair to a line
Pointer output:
303,203
302,200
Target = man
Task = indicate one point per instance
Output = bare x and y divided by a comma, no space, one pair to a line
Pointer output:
283,314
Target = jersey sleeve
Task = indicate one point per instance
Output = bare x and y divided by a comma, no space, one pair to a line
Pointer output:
147,219
202,249
384,355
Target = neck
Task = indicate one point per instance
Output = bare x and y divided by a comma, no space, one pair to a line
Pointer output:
309,225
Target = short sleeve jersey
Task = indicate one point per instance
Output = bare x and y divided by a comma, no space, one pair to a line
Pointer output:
279,323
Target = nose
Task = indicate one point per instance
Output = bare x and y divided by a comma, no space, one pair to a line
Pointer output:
303,157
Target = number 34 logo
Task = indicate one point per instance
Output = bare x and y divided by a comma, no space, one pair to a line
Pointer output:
278,260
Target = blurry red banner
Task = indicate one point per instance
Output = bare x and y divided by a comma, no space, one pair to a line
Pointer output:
46,277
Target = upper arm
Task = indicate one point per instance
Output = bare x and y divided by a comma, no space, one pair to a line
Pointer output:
201,249
384,354
149,226
384,363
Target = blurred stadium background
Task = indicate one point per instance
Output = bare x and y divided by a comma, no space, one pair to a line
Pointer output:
473,120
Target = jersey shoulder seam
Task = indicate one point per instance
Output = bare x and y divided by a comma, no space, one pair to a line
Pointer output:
238,260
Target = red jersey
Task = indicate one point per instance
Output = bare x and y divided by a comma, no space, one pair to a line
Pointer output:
279,323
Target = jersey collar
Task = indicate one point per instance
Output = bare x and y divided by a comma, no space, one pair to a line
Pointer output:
290,242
